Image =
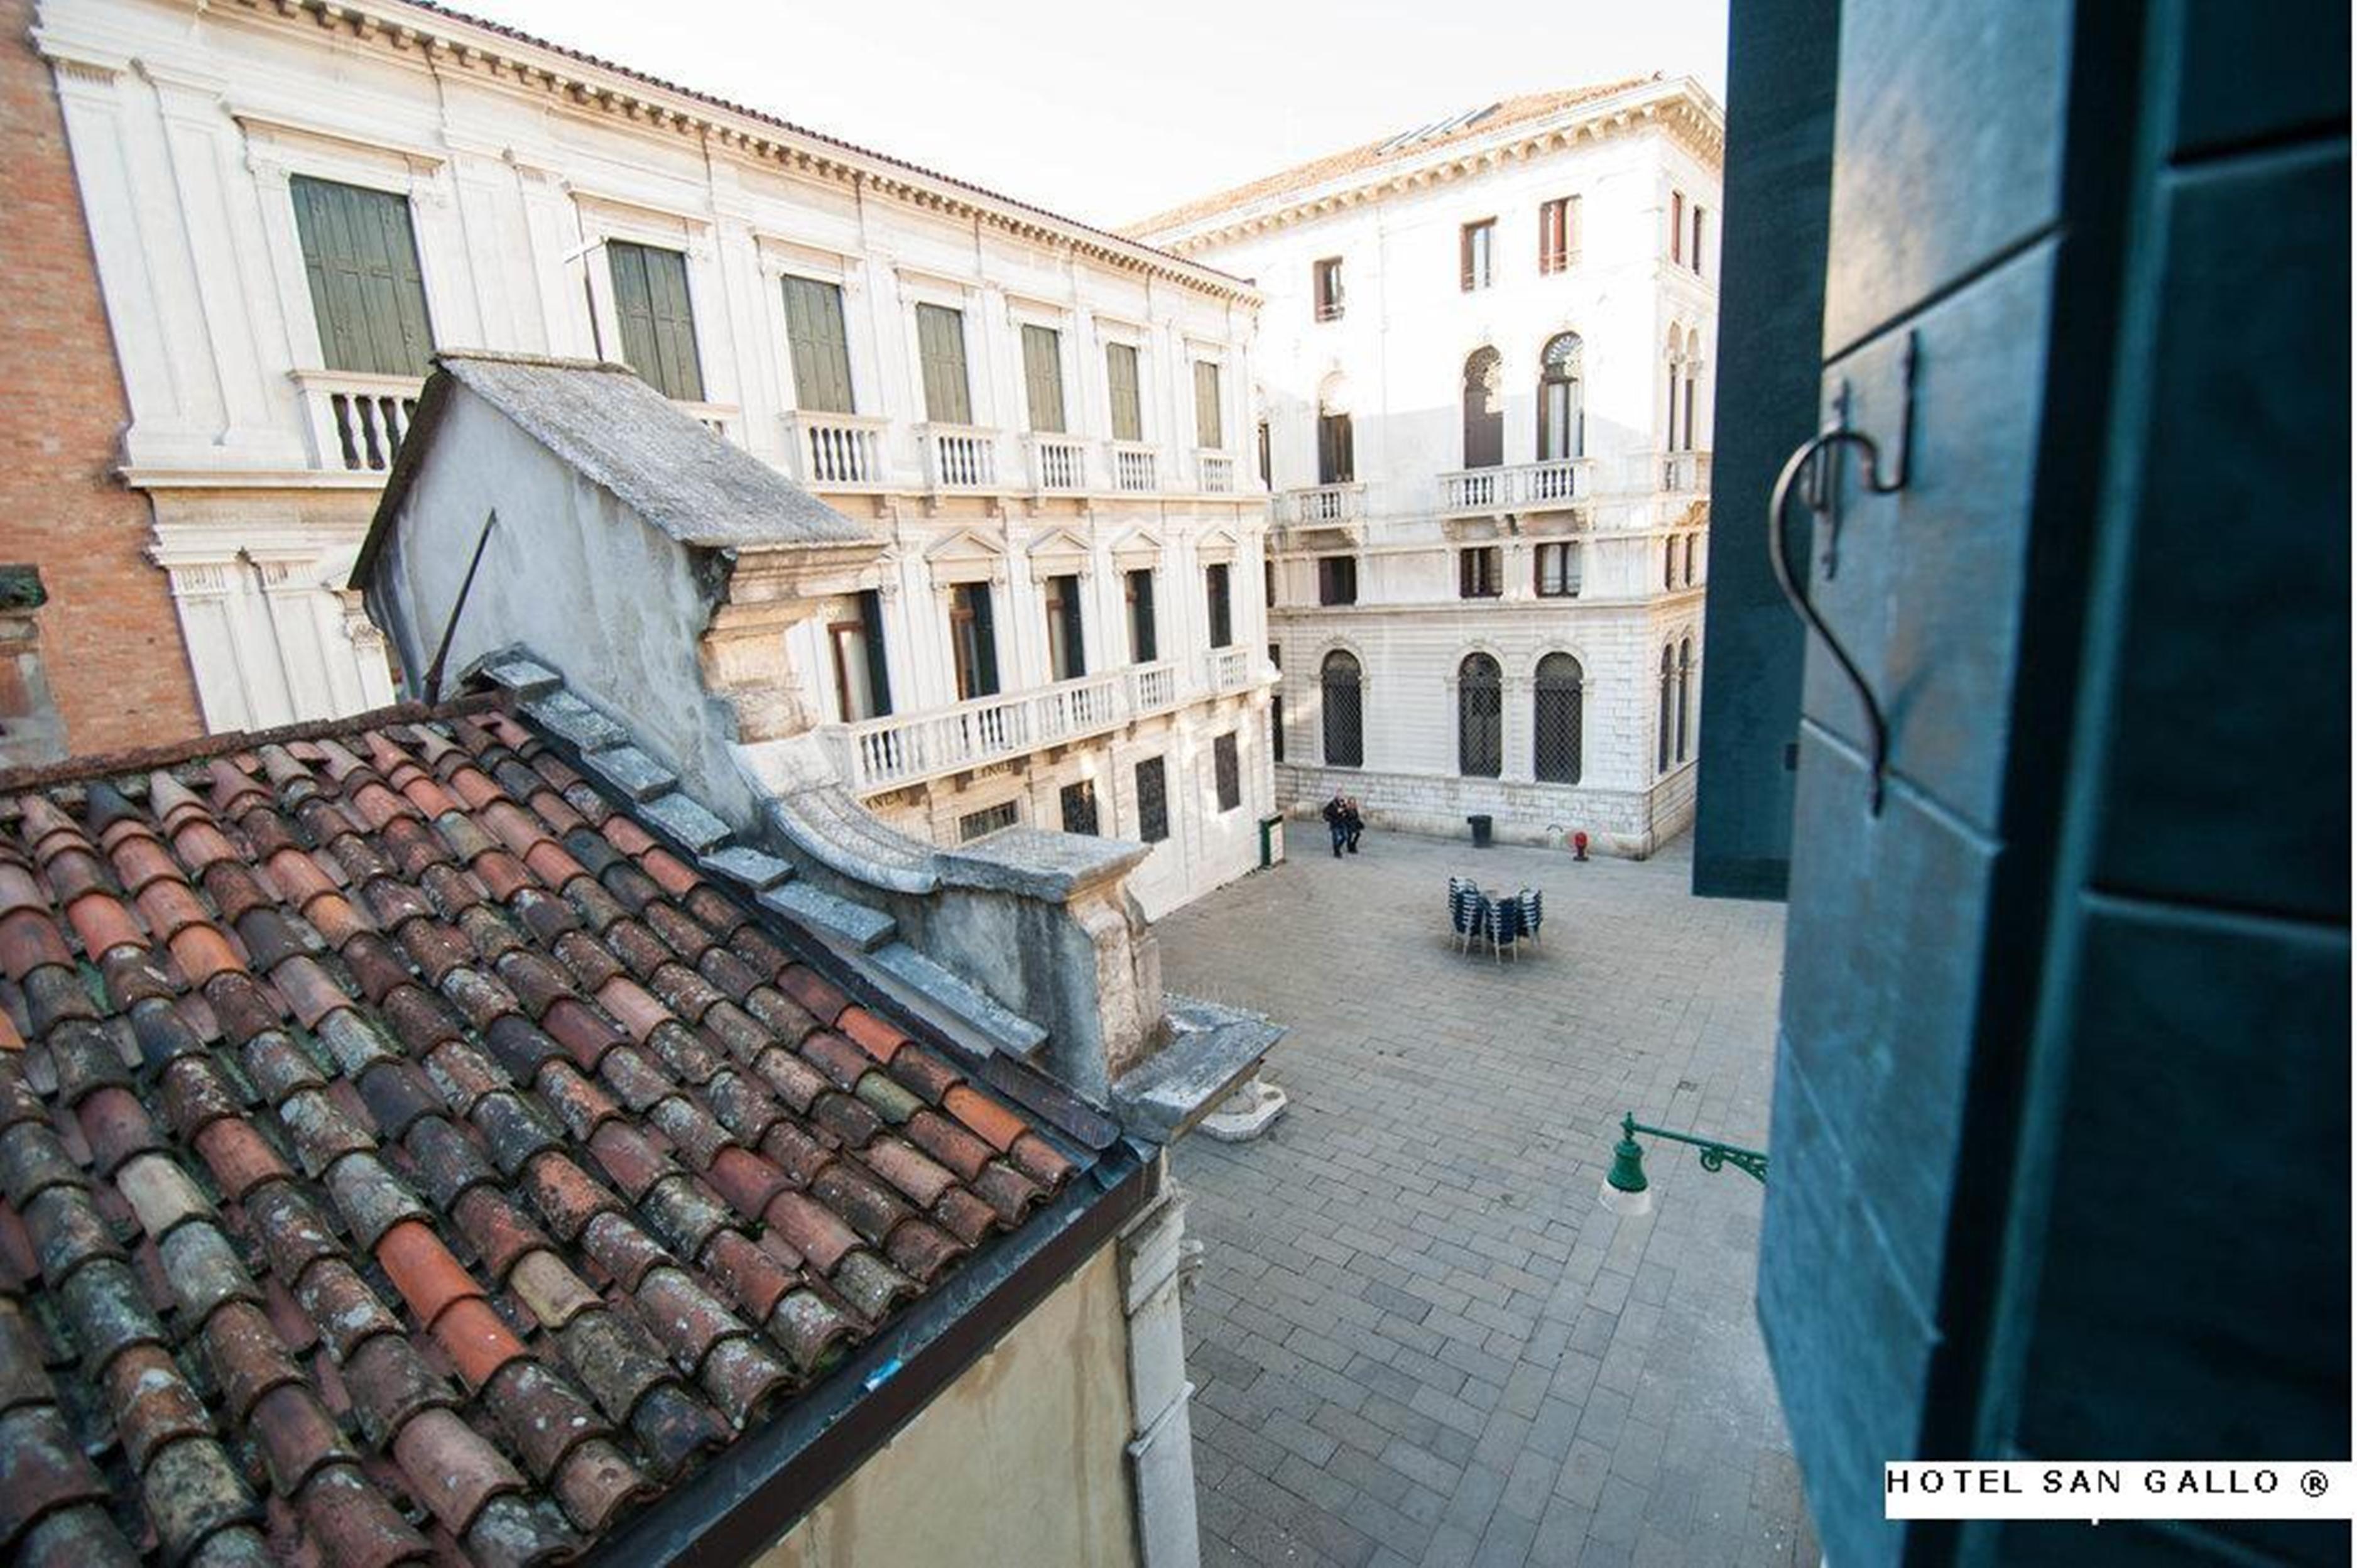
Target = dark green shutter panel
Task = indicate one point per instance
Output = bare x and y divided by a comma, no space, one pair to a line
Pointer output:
1121,383
1208,433
360,256
986,636
871,629
658,321
1075,650
1216,591
1141,628
822,350
941,349
1043,379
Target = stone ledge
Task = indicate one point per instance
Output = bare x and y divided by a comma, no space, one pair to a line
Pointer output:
1211,1050
852,924
1007,1032
1037,863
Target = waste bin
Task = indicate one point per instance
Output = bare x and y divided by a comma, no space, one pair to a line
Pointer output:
1272,840
1481,824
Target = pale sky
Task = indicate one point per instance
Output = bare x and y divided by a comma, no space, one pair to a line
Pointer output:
1107,111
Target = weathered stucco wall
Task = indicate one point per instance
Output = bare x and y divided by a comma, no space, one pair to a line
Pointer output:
1020,1461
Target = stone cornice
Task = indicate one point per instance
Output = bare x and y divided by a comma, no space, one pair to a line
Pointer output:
1677,107
448,42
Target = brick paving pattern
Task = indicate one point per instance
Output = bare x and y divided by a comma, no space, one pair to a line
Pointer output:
1416,1337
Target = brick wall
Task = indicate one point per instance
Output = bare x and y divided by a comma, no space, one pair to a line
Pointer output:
111,642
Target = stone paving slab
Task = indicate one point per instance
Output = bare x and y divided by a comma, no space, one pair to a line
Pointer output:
1416,1336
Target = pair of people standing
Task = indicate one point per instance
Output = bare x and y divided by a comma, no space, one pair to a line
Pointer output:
1342,820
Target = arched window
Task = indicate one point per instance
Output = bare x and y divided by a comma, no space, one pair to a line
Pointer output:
1481,717
1670,563
1686,692
1668,696
1690,554
1556,719
1485,411
1338,682
1563,414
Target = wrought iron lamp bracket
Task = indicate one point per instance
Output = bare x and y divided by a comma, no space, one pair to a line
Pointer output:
1815,474
1713,1154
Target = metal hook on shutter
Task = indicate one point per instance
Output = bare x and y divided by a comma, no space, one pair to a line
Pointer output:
1815,470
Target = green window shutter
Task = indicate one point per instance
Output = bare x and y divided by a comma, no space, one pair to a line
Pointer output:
985,640
360,256
1208,433
1043,379
820,348
1120,386
941,351
658,321
871,628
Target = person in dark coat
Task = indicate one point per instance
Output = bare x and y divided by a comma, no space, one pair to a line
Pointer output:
1338,817
1353,824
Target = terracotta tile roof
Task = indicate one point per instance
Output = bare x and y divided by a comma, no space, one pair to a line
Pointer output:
1393,148
404,1154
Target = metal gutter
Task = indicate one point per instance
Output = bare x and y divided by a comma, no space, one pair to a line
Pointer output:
762,1485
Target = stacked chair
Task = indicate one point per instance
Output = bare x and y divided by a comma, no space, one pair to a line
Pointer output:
1503,922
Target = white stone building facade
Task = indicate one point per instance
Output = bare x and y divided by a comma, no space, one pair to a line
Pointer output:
1483,370
292,204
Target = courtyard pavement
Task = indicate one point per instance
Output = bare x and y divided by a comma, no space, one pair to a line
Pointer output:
1416,1337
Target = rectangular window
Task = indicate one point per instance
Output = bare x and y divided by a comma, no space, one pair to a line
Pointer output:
360,254
1677,225
1694,249
940,353
1338,579
862,684
1326,287
974,642
1066,659
1276,705
1120,390
1080,807
1227,778
989,820
1558,233
1334,458
1264,479
657,320
821,349
1215,594
1208,432
1473,254
1138,588
1153,805
1557,572
1477,572
1043,378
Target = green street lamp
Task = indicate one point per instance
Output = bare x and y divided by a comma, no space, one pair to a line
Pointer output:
1625,1189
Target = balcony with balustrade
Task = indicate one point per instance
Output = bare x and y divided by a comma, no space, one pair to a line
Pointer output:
1058,464
1680,473
1135,467
1322,505
958,456
837,451
1215,472
1555,484
357,422
876,755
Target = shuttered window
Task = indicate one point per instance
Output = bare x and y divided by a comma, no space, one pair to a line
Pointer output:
1153,801
1207,431
360,257
1140,589
1215,595
1043,379
822,351
1066,658
974,642
941,349
657,320
1120,389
